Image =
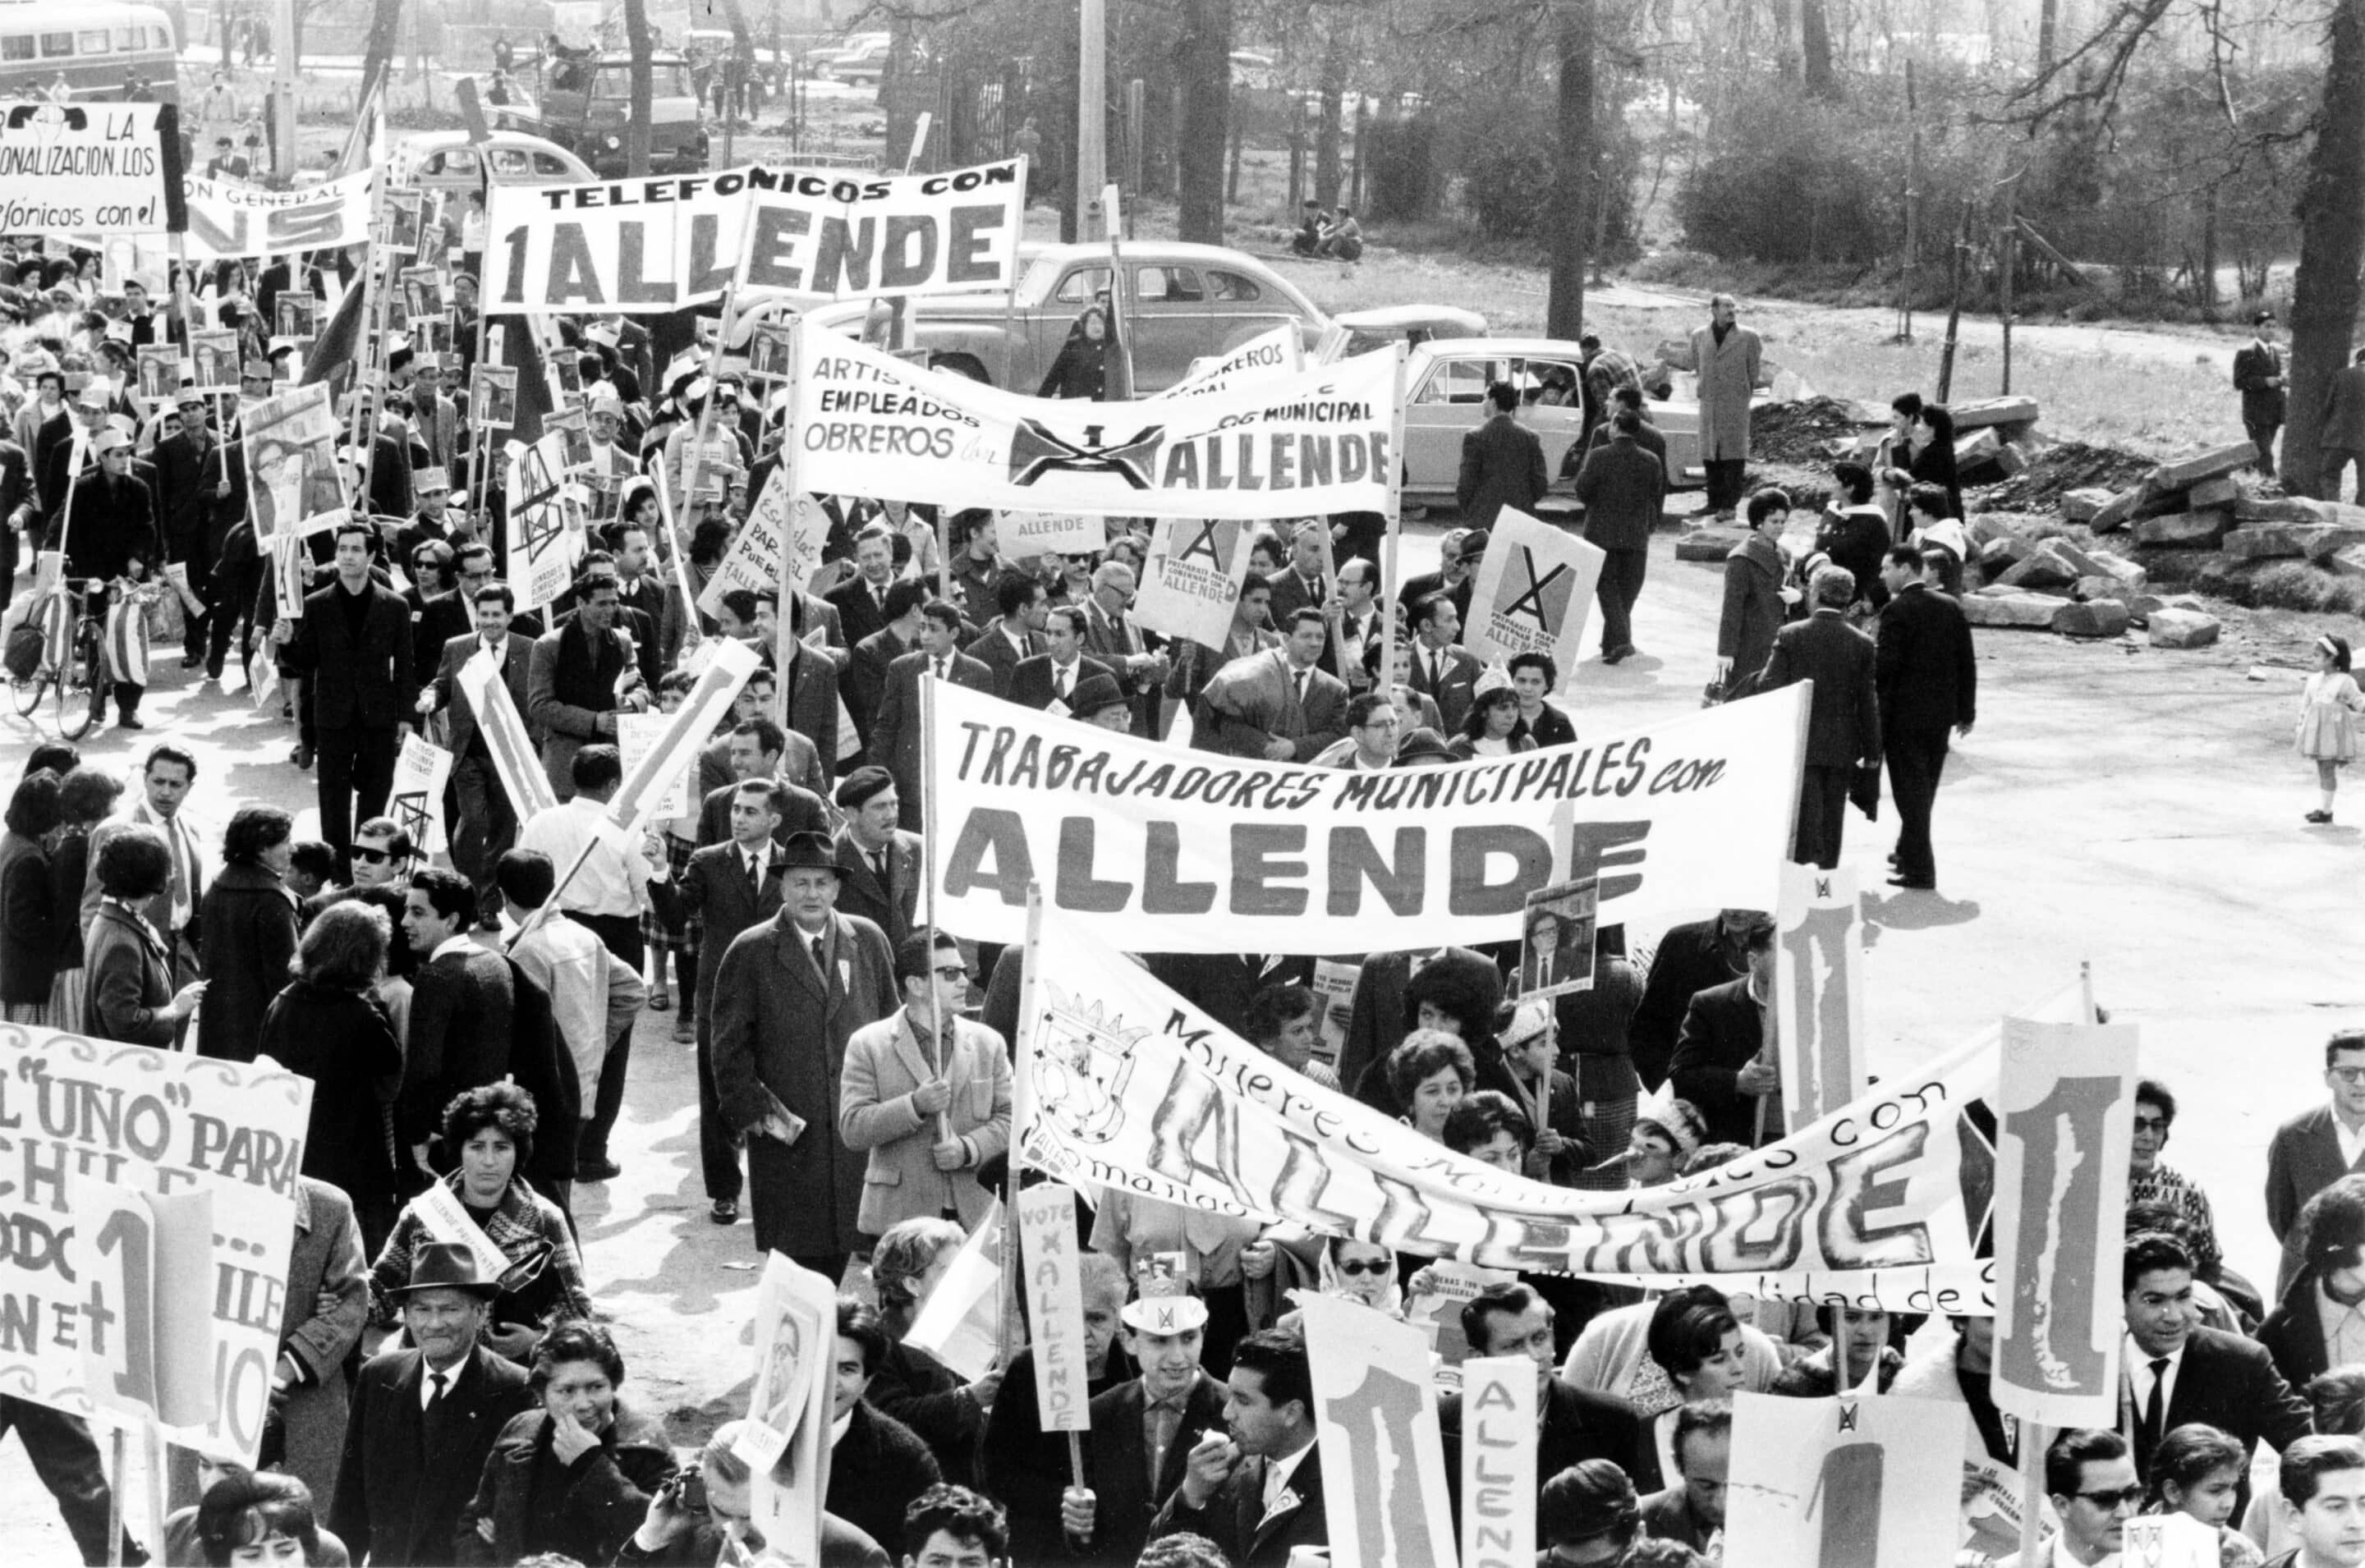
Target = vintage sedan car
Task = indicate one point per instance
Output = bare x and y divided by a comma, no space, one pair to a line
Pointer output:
1183,303
447,160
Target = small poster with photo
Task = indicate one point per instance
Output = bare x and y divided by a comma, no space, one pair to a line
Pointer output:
768,351
215,356
573,428
402,219
1556,938
299,315
567,369
422,292
493,403
159,372
431,336
606,491
397,313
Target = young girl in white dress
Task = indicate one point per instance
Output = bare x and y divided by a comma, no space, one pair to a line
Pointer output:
2328,726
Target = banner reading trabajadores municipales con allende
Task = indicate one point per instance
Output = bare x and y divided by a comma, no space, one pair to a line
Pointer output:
1123,1083
1169,850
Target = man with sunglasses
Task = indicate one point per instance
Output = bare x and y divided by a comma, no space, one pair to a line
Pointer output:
381,858
2092,1480
2317,1148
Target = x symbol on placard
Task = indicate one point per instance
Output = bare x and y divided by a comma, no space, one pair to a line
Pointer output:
1533,600
411,810
1203,543
537,513
1849,1416
1036,450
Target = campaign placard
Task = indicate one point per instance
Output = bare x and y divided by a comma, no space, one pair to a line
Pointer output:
1534,592
96,168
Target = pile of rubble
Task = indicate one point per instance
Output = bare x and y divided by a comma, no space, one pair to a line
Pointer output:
2057,585
2196,503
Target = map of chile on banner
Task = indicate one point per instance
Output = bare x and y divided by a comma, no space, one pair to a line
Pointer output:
107,1258
1868,1483
870,424
1124,1084
1375,1421
1819,991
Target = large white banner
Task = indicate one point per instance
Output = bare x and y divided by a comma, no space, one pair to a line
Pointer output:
1261,359
1130,1086
96,168
86,1119
652,245
1534,591
871,424
1167,850
230,219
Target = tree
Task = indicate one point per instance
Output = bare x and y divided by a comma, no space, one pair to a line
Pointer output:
2332,239
1572,228
378,50
1205,65
643,81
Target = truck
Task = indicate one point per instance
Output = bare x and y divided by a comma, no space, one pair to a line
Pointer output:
585,105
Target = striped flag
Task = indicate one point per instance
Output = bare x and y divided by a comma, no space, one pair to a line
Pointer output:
515,760
127,640
640,799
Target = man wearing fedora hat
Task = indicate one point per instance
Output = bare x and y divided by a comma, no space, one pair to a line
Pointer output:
1143,1429
790,995
423,1418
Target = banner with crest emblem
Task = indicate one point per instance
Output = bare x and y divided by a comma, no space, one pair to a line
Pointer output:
1321,441
1882,1203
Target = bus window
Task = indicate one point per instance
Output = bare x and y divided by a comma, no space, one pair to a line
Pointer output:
56,46
91,42
128,39
17,47
161,38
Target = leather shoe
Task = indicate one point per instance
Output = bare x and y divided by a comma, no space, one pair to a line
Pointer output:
1910,885
130,722
602,1169
1612,655
725,1211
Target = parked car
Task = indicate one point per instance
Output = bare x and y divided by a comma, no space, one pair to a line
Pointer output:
1184,303
446,161
863,60
587,101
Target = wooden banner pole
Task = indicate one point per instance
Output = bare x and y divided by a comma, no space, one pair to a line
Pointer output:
118,1461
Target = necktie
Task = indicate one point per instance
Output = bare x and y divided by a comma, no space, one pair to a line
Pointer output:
819,961
878,865
940,669
1059,683
2154,1406
1301,687
756,875
1164,1419
434,1417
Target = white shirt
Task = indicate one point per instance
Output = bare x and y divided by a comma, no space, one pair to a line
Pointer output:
2352,1140
612,881
460,943
838,1428
427,1382
2138,1364
1277,1473
2343,1326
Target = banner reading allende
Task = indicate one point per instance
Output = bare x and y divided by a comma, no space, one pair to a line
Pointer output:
79,1113
1133,1088
652,245
1320,441
1143,838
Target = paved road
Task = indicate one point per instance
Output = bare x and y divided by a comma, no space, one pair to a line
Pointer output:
2136,809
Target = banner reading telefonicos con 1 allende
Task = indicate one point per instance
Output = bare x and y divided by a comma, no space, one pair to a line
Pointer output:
1174,851
869,424
651,245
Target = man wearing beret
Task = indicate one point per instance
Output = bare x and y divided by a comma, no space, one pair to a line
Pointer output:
879,863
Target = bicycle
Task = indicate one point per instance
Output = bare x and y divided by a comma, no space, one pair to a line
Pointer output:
74,657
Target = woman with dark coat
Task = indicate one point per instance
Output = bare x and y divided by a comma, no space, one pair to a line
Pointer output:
575,1475
328,1025
1855,532
1081,368
29,937
1752,597
1932,444
131,997
86,798
249,924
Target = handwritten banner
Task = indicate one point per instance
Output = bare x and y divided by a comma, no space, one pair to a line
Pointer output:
652,245
873,424
1055,1305
84,1119
1144,838
98,168
1268,354
779,542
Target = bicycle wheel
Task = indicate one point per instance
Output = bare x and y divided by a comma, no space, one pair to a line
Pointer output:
79,692
26,691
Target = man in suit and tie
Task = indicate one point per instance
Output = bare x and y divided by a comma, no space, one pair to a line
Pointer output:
862,600
865,684
878,862
1844,717
2259,374
1258,1494
1111,637
1358,627
1046,682
2176,1372
1926,681
1016,634
487,824
165,778
1575,1425
1442,670
1720,1063
757,753
355,645
789,994
809,674
895,739
1502,463
1459,555
2317,1148
926,1094
1300,585
422,1420
800,763
1623,487
1143,1429
729,887
1275,706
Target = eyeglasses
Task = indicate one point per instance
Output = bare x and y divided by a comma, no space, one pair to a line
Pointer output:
2124,1498
2347,1074
952,972
364,852
1375,1266
2151,1124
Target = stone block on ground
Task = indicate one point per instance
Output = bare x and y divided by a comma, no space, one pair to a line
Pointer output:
2185,530
2274,508
1712,542
2045,567
2347,561
2098,618
2119,567
1976,452
2010,458
1984,411
2221,491
1998,555
2116,512
2084,506
2263,542
2146,604
2024,611
2187,472
2088,590
2183,629
1989,525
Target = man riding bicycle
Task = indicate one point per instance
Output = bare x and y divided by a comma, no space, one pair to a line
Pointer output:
107,529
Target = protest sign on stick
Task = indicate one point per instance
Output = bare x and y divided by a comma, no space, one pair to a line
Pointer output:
92,167
150,1254
1054,1305
780,542
1383,1454
1534,591
786,1440
1499,1463
1819,991
517,762
421,772
637,735
1192,579
1869,1481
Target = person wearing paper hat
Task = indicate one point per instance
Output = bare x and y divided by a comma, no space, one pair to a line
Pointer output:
606,334
1145,1424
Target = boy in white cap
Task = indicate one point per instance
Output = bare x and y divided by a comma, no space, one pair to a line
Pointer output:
1144,1431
